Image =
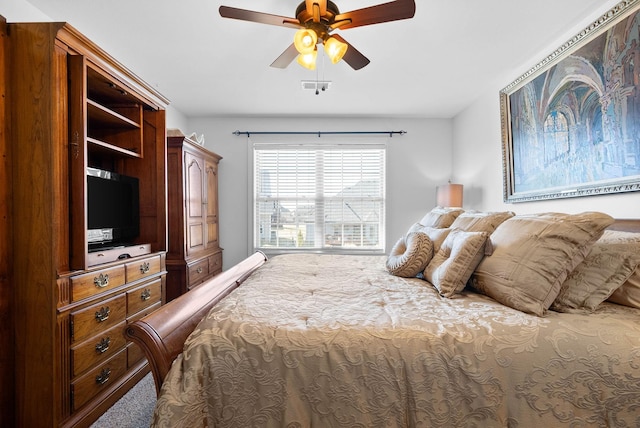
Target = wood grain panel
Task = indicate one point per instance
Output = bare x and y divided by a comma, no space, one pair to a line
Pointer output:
6,319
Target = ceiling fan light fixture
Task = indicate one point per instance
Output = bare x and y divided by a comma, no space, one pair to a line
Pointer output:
305,40
335,49
308,60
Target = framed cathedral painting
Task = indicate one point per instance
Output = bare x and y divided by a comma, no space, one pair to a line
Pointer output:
571,124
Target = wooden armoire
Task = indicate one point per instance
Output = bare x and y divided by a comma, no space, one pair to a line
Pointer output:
194,254
74,108
6,319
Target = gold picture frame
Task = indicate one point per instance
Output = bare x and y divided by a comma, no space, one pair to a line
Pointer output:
571,124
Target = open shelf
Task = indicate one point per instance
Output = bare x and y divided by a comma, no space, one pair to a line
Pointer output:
108,117
114,115
100,146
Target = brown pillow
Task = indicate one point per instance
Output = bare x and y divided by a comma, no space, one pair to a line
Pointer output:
478,221
533,255
410,255
441,217
611,261
450,268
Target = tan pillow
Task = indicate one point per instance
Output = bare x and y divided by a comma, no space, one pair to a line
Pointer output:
533,255
478,221
436,235
450,268
611,261
410,255
441,217
629,293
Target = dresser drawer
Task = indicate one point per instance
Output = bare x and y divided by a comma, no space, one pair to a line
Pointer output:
97,349
215,264
142,268
198,272
144,312
98,318
92,283
90,384
144,296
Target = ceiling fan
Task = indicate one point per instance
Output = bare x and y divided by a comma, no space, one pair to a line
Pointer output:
316,20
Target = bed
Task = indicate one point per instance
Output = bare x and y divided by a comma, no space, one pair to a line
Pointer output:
310,340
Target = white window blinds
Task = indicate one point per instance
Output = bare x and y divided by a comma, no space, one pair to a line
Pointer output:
317,197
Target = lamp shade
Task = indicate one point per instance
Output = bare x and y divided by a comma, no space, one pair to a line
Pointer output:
335,49
305,40
449,195
308,60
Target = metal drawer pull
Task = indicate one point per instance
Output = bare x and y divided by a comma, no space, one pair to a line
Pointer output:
103,314
146,294
103,377
199,270
144,267
101,280
103,345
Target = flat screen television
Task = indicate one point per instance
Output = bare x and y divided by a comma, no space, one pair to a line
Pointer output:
113,209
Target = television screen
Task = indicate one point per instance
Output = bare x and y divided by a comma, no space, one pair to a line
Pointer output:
113,215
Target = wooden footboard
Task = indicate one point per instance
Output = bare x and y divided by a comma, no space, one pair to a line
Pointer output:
162,334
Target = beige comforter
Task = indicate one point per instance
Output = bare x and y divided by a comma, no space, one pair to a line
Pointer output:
335,341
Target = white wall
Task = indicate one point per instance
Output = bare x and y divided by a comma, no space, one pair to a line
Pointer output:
477,151
175,119
416,163
21,11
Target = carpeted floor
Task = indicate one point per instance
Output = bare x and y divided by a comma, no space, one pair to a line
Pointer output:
133,410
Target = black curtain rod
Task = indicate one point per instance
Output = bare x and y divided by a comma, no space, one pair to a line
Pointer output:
319,133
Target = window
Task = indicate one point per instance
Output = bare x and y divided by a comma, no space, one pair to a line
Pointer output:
319,197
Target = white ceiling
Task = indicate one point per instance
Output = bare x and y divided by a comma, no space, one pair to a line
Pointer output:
433,65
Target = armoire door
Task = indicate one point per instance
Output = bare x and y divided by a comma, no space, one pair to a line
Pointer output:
194,192
211,203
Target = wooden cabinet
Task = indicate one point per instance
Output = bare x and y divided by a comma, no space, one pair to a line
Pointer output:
6,237
78,108
194,253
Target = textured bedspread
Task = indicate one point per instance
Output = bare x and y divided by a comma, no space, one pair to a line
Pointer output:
328,341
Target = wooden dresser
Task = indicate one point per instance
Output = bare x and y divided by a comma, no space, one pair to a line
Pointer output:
78,108
194,254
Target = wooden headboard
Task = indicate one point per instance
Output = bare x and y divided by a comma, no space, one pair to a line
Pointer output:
162,334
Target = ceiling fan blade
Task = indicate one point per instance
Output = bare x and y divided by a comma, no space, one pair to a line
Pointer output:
260,17
353,57
286,57
385,12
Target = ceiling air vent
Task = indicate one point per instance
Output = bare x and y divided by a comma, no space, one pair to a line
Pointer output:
316,85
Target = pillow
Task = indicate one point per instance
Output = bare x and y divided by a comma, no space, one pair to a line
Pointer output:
440,217
629,293
533,255
478,221
410,255
450,268
611,261
436,235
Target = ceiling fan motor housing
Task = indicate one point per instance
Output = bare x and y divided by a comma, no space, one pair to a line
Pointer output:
304,16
